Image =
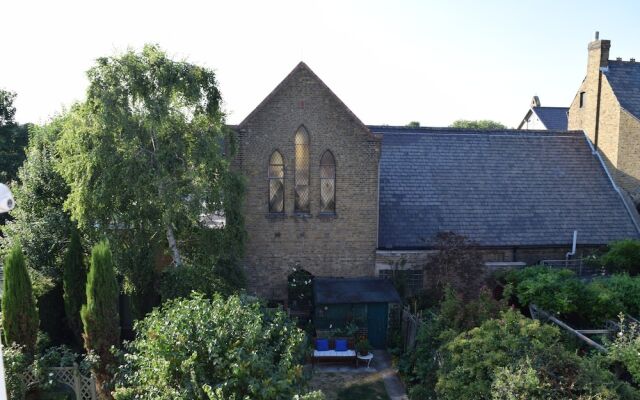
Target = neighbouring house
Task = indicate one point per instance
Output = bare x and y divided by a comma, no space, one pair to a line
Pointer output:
340,199
607,108
544,118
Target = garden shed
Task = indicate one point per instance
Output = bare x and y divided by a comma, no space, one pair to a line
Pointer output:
365,302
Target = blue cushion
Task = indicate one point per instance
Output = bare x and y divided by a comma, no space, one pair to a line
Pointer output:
341,345
322,344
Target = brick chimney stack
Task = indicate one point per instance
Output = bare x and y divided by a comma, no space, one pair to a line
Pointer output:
598,55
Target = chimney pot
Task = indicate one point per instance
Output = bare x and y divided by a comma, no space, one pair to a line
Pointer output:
597,35
632,60
618,58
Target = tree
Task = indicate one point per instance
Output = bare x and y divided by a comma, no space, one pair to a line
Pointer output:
19,313
145,152
457,265
479,124
100,315
413,124
229,349
13,138
39,222
7,110
74,279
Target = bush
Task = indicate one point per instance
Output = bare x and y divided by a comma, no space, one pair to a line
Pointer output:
560,291
100,314
623,256
420,367
180,282
551,289
15,365
230,349
517,358
19,313
625,349
74,277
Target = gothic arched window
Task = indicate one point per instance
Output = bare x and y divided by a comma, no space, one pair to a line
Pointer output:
302,171
276,183
327,183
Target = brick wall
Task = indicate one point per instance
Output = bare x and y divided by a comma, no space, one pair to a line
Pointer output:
338,245
619,131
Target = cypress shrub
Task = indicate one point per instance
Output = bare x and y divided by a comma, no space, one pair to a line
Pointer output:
74,279
100,314
19,313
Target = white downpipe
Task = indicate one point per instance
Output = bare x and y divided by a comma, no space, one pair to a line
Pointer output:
573,248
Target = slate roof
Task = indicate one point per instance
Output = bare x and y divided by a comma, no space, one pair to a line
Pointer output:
554,118
497,187
624,78
354,290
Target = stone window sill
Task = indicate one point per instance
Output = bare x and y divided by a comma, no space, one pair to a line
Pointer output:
327,215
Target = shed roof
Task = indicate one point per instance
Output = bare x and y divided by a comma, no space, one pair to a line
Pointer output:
497,187
354,290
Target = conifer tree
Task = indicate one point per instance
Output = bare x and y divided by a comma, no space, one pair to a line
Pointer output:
74,278
19,313
100,315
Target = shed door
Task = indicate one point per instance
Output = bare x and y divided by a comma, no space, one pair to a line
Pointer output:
377,317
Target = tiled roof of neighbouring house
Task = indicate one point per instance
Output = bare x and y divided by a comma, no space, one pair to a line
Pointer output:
498,188
554,118
354,290
624,77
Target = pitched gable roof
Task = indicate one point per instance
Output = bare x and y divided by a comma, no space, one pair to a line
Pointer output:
624,78
497,187
300,67
553,118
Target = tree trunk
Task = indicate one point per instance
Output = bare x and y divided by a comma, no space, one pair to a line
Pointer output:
175,253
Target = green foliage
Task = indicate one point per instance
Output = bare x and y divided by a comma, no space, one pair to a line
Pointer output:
623,256
74,278
560,291
39,223
625,348
514,357
7,109
454,316
15,365
457,265
552,289
300,288
479,124
19,313
208,280
100,315
413,124
199,348
145,150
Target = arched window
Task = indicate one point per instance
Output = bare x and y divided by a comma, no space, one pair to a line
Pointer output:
276,183
327,183
302,171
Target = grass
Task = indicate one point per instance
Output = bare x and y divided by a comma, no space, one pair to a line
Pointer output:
349,386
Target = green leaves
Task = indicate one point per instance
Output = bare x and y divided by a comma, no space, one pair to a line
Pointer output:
19,313
230,349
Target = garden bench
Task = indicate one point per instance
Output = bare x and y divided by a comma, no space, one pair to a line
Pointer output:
331,354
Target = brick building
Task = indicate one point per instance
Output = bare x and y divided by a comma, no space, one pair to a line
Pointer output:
607,108
331,195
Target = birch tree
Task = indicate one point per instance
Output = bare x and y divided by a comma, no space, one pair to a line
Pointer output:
145,150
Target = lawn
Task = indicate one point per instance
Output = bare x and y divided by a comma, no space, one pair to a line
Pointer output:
349,386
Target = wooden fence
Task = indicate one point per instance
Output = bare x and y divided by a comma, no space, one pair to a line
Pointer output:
410,325
84,387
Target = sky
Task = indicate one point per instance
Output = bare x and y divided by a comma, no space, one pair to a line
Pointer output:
391,62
